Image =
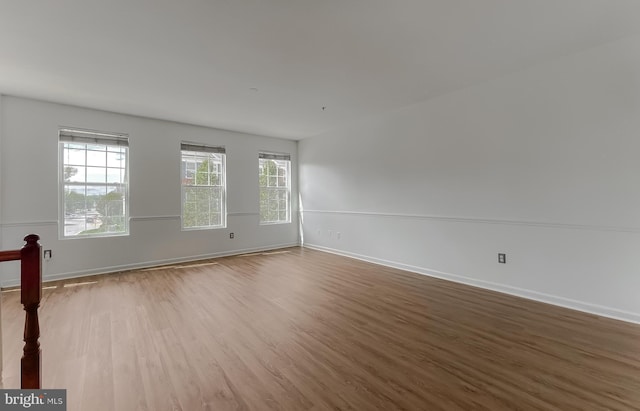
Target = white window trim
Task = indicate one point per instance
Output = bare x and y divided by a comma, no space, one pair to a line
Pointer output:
265,155
84,136
205,149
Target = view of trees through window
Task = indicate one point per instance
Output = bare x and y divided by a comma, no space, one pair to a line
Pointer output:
275,199
95,189
203,189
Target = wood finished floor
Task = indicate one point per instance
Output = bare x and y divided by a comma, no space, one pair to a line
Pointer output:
306,330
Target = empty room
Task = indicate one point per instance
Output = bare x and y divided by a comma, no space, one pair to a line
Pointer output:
329,205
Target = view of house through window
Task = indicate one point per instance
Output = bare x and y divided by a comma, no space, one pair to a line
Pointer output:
203,186
94,183
275,188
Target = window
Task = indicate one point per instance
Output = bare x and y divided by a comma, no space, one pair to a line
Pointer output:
275,188
203,186
94,184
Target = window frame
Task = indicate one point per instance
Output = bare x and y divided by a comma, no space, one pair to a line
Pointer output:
203,150
71,136
278,157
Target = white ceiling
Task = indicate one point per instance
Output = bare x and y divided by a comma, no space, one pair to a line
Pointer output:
196,61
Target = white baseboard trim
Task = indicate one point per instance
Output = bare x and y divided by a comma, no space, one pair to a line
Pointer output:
506,289
147,264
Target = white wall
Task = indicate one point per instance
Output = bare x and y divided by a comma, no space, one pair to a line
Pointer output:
29,192
1,162
542,165
1,190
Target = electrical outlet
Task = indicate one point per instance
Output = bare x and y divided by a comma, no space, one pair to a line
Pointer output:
231,235
47,254
502,258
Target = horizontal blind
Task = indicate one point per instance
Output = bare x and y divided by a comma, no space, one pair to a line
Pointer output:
274,156
202,148
92,137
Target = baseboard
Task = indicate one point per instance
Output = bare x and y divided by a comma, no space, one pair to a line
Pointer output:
147,264
506,289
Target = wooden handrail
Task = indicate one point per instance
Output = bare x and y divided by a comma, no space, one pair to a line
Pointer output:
31,289
9,255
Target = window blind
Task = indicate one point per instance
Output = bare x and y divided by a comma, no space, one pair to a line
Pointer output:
92,137
202,148
274,156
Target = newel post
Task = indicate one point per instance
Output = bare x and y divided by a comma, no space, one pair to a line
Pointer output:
31,287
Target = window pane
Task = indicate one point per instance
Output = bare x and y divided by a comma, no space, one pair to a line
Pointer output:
202,177
118,189
96,158
96,191
115,175
75,174
115,159
75,157
76,189
202,212
96,175
74,201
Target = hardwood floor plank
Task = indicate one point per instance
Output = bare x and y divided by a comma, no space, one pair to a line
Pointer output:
304,330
